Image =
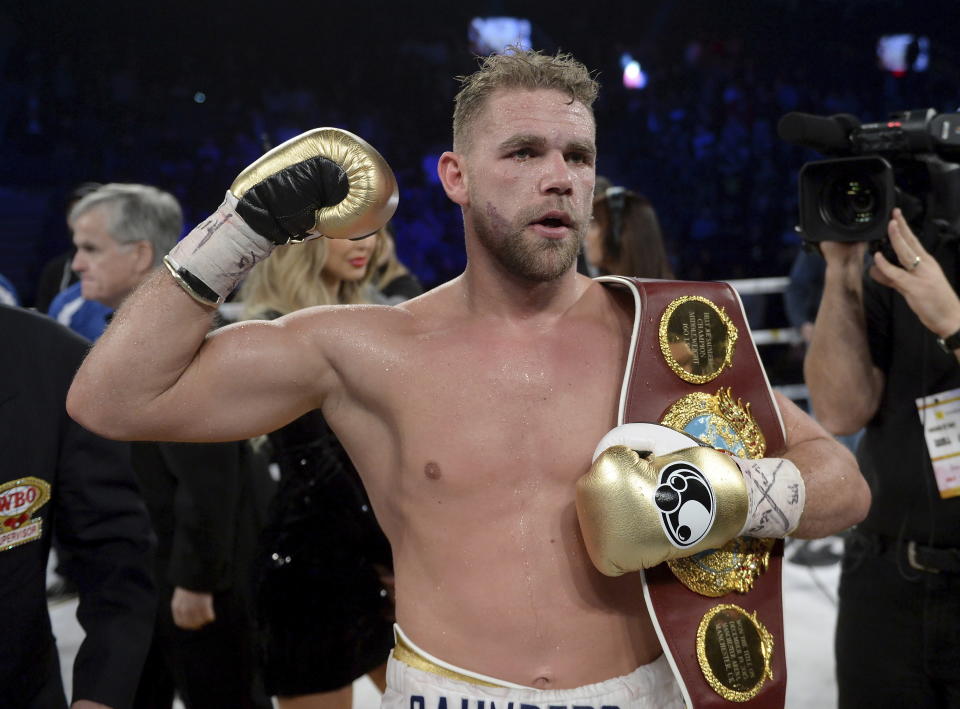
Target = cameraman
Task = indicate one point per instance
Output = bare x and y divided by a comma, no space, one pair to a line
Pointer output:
878,345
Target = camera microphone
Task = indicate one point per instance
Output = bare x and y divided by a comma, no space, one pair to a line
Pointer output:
823,134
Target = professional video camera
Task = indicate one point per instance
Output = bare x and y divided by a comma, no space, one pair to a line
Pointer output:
906,161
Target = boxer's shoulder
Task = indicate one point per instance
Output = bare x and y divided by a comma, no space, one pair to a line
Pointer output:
362,332
617,301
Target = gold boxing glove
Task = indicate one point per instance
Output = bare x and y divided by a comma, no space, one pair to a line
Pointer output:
325,182
655,494
636,511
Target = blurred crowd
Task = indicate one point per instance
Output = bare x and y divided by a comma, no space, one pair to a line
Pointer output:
699,141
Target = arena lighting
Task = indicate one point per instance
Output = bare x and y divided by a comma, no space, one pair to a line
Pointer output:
900,53
633,75
491,35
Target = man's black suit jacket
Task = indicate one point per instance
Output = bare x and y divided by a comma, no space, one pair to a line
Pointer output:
94,508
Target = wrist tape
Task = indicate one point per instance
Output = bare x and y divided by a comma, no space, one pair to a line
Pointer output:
776,496
211,260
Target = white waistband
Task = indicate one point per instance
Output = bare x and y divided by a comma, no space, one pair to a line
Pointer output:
427,682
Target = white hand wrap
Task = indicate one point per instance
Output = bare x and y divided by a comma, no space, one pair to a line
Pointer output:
210,268
777,496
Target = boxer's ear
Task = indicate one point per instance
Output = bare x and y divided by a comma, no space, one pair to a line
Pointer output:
453,177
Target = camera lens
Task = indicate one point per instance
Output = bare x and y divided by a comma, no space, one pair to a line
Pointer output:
846,199
850,201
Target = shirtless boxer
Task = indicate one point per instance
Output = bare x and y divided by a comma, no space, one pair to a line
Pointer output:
471,412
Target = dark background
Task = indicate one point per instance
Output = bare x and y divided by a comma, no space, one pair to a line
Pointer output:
106,91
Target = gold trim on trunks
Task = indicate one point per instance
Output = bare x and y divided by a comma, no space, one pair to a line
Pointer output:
408,656
725,422
697,338
734,650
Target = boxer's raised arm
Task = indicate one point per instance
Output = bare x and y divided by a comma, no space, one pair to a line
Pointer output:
156,374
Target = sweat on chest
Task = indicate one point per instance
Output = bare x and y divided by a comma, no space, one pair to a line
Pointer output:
498,406
501,480
524,366
492,451
511,419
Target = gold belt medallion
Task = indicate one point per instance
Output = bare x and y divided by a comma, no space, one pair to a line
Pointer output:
697,338
724,422
734,650
720,421
733,567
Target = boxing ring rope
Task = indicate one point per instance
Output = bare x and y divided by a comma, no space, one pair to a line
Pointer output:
774,336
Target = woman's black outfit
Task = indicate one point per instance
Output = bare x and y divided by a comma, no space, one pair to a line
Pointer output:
325,617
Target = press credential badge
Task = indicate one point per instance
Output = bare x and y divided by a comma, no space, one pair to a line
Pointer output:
940,416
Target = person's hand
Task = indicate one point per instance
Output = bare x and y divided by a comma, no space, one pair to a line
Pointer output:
843,253
920,280
191,609
87,704
844,262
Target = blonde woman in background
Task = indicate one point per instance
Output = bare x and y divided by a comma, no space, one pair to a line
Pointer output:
324,272
323,579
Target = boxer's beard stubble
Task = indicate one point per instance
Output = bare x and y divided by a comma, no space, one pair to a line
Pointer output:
532,258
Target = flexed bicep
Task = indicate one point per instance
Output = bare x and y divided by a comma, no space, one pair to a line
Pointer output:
253,377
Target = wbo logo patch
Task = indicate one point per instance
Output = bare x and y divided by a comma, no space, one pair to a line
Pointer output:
19,500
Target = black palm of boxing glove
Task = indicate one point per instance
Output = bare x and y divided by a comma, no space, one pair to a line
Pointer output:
283,207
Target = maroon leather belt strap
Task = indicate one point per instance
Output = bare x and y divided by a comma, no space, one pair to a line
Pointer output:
693,366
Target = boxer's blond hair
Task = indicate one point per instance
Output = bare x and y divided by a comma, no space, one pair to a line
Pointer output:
518,69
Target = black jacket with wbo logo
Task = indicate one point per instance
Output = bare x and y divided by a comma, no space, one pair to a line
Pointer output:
58,478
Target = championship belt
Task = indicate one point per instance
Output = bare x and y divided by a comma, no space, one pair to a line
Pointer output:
693,366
